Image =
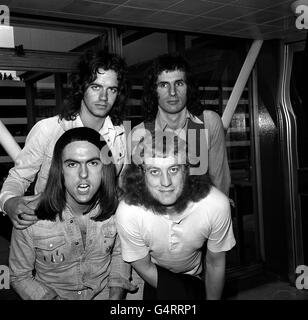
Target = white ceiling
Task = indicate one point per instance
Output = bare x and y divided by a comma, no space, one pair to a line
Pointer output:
256,19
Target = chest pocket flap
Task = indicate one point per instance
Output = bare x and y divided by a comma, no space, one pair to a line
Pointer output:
50,243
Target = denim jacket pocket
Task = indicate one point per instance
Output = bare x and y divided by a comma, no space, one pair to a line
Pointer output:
50,250
108,233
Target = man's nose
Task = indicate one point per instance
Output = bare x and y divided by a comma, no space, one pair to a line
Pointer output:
83,171
165,179
172,90
103,95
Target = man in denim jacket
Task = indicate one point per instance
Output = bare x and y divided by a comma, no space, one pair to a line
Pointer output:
98,95
74,247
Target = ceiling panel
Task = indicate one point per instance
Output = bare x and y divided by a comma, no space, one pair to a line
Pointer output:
35,4
259,29
127,13
262,16
229,27
88,8
230,12
194,7
286,23
167,18
151,4
259,4
201,23
216,16
221,1
110,1
282,7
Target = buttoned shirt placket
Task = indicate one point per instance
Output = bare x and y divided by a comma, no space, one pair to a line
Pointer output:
79,249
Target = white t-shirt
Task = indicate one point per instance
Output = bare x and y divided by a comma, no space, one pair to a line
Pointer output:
175,242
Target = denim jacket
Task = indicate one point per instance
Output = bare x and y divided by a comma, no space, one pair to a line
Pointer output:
35,158
64,267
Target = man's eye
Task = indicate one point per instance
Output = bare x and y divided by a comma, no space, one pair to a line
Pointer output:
71,164
163,85
154,172
113,90
174,170
94,87
94,163
180,83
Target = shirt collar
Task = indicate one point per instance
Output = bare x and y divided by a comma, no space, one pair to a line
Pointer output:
108,128
67,213
162,123
178,217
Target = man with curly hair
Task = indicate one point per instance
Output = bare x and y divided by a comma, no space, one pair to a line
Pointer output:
165,218
99,92
171,103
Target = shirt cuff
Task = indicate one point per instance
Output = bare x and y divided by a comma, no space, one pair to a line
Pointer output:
5,196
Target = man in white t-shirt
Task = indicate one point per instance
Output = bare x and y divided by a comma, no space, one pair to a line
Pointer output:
166,217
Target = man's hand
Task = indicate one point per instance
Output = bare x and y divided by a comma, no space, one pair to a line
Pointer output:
147,270
116,293
21,210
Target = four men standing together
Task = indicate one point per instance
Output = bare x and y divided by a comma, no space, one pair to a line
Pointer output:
168,208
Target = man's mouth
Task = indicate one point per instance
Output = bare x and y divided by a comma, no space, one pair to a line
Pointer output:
166,190
172,102
83,188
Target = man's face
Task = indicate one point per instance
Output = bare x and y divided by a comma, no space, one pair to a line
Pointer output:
164,179
171,91
82,172
100,95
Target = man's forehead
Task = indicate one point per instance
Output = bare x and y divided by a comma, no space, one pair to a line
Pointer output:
171,75
108,75
80,149
160,162
103,71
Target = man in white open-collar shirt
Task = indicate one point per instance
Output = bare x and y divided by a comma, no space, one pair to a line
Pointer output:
99,91
165,219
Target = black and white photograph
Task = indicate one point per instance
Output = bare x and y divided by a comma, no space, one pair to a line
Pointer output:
154,153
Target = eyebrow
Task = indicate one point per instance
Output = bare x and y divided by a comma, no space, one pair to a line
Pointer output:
165,81
89,160
156,167
99,85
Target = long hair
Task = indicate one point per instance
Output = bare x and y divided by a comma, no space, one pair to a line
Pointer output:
88,68
168,62
134,190
53,200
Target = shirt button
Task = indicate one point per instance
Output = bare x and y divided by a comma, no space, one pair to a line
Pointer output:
76,243
71,221
51,245
79,292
